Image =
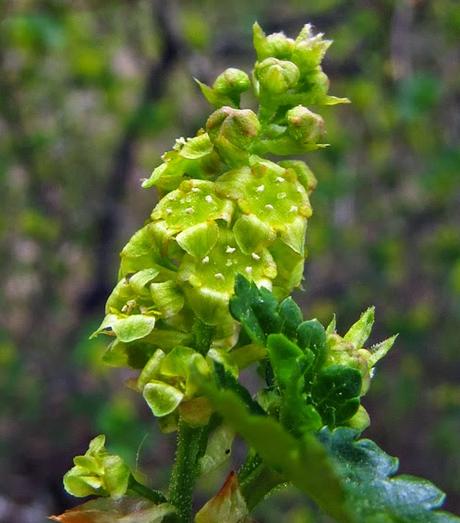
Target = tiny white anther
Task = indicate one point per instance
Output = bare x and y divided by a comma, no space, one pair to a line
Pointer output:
260,188
169,210
230,250
280,179
248,270
208,198
269,206
219,276
293,208
196,189
189,210
205,259
228,263
255,256
281,195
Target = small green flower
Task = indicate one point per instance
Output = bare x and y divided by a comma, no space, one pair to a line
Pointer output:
97,472
169,380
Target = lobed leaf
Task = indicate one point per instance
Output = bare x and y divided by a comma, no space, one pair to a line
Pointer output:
374,494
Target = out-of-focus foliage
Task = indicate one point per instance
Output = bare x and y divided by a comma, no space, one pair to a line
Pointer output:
90,94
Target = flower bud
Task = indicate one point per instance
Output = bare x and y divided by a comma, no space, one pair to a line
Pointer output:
304,125
276,76
232,131
232,82
309,50
277,45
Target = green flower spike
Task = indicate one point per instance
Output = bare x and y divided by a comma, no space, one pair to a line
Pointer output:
97,472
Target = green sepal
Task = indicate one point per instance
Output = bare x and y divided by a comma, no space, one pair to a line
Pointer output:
127,329
167,297
162,398
199,239
252,234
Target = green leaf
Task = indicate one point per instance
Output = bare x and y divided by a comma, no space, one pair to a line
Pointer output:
311,335
336,393
373,493
291,317
303,461
255,309
289,364
287,359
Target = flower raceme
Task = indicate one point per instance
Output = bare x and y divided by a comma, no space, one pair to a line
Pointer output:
203,293
225,208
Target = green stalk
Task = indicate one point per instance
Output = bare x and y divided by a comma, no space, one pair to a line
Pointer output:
153,495
185,470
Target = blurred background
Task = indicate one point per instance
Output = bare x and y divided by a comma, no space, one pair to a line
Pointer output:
92,93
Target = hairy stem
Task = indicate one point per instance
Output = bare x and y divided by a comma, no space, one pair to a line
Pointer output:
185,470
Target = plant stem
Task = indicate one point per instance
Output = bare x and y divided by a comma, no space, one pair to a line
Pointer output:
153,495
259,484
185,470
